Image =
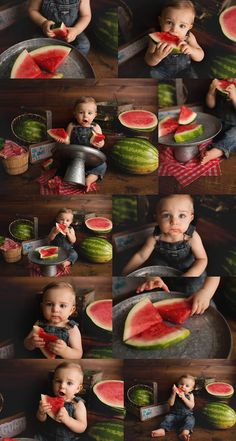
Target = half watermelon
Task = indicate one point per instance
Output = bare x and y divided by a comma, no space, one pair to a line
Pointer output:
220,389
167,126
47,252
188,132
56,403
100,313
99,225
166,37
227,21
60,135
186,115
61,228
142,120
110,393
48,338
25,67
175,310
49,58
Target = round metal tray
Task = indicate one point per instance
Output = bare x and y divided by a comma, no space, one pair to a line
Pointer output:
210,336
212,126
74,66
62,256
155,271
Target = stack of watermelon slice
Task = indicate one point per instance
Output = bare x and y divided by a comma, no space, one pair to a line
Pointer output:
183,127
145,328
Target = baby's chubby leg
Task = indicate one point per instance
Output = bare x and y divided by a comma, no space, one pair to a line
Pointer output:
167,424
211,154
89,180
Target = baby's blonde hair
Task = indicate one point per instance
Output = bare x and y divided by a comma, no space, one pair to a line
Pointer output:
187,376
70,365
64,210
170,196
179,4
84,99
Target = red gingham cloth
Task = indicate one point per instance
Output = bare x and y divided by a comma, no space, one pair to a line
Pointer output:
11,149
9,244
35,270
54,185
189,171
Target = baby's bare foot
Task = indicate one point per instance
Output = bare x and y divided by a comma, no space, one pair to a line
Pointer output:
211,154
185,435
158,432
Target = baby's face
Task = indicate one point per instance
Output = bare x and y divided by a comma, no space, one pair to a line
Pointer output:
57,305
85,113
65,219
186,384
174,215
176,21
66,383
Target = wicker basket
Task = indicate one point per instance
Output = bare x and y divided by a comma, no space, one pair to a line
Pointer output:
131,390
14,223
17,121
16,165
13,255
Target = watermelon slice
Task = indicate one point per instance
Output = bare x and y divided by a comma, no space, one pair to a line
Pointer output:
49,58
99,224
227,21
62,228
60,135
186,115
110,393
100,312
141,317
175,310
96,137
47,252
25,67
179,390
219,389
138,120
223,84
60,30
48,338
158,336
56,402
167,126
189,132
165,37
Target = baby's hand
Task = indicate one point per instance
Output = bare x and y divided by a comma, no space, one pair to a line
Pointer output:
44,407
232,92
46,28
72,34
36,341
162,50
213,86
58,347
99,144
185,48
156,282
200,302
62,416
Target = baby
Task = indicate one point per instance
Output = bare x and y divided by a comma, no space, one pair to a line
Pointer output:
71,419
66,240
175,242
81,131
76,15
177,17
224,106
58,304
181,415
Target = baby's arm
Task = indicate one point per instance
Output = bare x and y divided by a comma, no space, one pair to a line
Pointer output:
141,256
74,350
171,399
153,282
157,52
211,94
33,341
232,94
53,233
39,19
70,234
201,299
43,408
192,48
200,255
82,22
69,129
100,144
78,423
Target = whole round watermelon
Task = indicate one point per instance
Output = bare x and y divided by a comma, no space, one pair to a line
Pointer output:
106,30
96,250
135,156
219,415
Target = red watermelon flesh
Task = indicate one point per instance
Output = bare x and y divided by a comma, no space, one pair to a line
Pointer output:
223,84
174,310
25,67
138,119
47,252
100,312
166,37
110,392
179,390
96,137
220,389
60,135
49,58
186,115
60,30
188,132
48,338
99,224
62,228
227,21
56,402
167,126
141,317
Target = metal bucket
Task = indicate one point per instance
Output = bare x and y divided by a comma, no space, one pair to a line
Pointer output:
156,271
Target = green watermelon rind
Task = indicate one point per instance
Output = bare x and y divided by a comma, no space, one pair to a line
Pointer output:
106,402
163,123
95,321
219,395
96,250
156,40
192,116
135,156
107,430
161,343
219,415
99,352
188,135
144,307
38,250
138,126
231,36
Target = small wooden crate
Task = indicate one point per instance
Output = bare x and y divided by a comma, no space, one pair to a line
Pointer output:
13,255
16,165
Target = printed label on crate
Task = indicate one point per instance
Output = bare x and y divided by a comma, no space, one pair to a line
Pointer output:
30,245
9,15
125,53
7,351
41,151
149,412
130,240
13,428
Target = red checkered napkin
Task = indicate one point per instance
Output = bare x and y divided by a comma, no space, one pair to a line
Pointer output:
11,149
35,270
187,172
54,185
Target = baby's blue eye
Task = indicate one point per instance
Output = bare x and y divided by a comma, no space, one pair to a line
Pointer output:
182,26
182,216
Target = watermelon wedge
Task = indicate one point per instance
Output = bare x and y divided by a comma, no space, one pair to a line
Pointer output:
220,389
167,126
47,252
138,120
49,58
56,402
165,37
100,312
189,132
25,67
110,393
60,30
223,84
60,135
186,115
96,137
99,225
227,20
158,336
48,338
62,228
141,317
175,310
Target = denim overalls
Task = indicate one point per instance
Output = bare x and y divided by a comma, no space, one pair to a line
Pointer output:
180,417
62,333
52,430
68,12
81,135
224,109
62,241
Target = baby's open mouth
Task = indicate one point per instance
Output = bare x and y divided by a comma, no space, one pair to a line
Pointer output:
61,394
